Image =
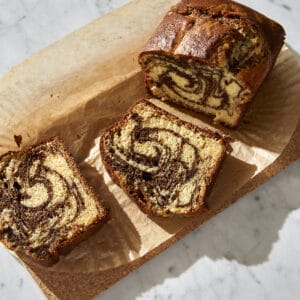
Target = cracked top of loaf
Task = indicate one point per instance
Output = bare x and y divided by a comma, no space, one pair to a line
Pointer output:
221,33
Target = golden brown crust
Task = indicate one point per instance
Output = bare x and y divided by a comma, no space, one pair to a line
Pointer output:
199,30
121,181
177,23
65,246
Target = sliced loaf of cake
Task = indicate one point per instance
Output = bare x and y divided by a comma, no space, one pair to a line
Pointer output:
211,57
164,164
45,204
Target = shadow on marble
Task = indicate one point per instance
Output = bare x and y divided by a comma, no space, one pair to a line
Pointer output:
244,233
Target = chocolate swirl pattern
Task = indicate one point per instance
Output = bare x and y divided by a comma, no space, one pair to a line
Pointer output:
211,57
159,160
42,201
195,85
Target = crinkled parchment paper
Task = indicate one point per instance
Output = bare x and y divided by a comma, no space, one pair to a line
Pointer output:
82,84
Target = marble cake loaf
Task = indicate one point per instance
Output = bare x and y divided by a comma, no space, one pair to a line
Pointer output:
46,207
164,164
211,56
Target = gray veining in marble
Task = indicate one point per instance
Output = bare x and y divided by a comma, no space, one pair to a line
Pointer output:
250,251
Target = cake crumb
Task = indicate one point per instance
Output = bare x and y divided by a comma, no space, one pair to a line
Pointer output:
18,140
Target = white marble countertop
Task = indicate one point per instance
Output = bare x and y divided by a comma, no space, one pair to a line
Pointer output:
250,251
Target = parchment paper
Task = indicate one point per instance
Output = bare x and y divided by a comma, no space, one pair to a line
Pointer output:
82,84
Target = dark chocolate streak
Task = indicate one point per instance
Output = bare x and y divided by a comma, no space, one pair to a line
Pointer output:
170,170
27,219
208,80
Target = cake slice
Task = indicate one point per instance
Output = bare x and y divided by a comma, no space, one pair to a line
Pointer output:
164,164
211,57
45,204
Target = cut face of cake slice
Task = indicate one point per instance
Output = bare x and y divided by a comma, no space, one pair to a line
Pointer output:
196,85
164,164
45,204
211,57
